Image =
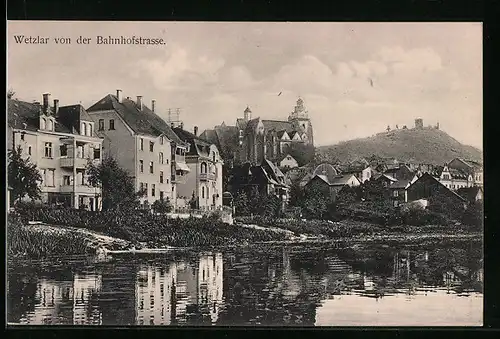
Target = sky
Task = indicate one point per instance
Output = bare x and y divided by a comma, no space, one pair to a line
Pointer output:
354,78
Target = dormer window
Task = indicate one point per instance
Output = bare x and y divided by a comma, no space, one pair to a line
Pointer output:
83,129
43,123
90,130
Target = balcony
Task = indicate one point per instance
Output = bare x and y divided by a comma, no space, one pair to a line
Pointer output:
79,189
207,176
70,162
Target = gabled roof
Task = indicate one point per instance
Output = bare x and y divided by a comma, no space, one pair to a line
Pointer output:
400,184
198,147
342,179
141,122
241,123
278,125
251,125
471,163
469,193
428,177
281,133
457,174
25,115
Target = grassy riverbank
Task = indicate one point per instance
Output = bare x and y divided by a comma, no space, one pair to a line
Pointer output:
83,232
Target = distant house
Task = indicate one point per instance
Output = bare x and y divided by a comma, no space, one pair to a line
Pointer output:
385,179
360,168
399,190
288,162
204,179
267,178
332,184
471,194
401,172
470,167
427,186
455,178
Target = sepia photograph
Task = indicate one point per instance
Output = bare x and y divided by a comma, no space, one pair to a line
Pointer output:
306,174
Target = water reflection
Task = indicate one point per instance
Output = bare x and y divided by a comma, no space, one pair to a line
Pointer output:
361,285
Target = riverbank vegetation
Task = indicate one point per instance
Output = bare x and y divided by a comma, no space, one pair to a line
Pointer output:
35,242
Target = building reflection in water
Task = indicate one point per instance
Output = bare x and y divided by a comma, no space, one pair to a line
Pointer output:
180,291
66,302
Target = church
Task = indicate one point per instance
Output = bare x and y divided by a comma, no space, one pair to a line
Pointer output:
251,140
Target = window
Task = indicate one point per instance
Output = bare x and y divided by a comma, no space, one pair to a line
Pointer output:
153,189
66,180
160,156
22,136
101,124
49,177
146,188
29,150
161,177
162,194
141,185
97,153
203,167
90,130
48,150
80,152
203,192
167,161
396,203
111,124
141,146
150,167
213,156
42,124
151,146
141,166
50,125
64,150
446,176
396,193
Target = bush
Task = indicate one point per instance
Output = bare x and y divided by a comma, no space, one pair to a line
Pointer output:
142,226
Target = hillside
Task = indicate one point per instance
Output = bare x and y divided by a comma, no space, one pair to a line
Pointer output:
430,146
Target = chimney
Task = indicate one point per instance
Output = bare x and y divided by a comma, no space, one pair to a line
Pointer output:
56,107
139,102
46,98
119,95
153,105
195,131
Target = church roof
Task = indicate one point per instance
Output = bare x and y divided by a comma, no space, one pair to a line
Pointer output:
278,125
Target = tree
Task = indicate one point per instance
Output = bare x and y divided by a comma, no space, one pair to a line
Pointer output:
316,202
241,203
254,200
10,93
447,204
23,176
346,197
162,206
118,189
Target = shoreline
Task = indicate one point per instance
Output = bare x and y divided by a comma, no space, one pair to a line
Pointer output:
102,245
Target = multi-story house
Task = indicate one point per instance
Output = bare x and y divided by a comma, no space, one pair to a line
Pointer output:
60,141
204,180
470,167
454,178
143,144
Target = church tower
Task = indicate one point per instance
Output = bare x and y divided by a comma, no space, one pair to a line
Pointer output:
247,114
301,122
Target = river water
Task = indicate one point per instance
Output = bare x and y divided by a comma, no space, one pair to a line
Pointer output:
438,284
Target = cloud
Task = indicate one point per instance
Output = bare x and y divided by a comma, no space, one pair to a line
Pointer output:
181,70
